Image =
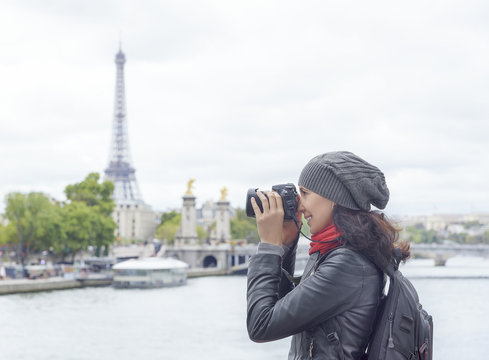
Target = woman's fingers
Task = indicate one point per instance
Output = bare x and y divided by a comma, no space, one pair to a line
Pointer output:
271,203
270,221
271,200
255,207
264,201
276,203
278,200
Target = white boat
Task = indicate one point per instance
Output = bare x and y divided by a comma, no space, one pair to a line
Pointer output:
149,273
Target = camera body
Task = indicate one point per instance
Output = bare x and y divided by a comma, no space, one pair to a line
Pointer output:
287,192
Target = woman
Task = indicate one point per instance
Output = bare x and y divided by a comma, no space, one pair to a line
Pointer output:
330,313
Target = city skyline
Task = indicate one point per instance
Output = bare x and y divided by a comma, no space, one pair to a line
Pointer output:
243,95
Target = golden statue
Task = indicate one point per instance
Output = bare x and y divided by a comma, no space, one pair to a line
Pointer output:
224,194
190,184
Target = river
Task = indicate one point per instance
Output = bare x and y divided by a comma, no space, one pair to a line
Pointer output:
205,319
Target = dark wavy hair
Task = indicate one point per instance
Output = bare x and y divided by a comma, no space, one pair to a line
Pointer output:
371,233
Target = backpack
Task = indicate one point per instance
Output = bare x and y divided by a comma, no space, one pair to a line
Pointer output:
403,329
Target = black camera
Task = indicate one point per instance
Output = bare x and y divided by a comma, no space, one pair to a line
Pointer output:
287,192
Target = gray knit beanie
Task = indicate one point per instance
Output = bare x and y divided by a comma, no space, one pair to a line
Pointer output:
346,179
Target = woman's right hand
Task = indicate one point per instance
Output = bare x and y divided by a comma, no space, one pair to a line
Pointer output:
270,221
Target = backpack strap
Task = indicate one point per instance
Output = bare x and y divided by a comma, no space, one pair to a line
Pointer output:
397,256
394,264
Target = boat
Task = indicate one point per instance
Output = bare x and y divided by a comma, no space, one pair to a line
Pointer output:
149,272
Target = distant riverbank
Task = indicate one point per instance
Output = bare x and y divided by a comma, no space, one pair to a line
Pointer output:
16,286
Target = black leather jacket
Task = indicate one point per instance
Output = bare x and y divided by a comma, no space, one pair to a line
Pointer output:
330,313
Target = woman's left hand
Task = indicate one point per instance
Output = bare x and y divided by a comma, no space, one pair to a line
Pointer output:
270,221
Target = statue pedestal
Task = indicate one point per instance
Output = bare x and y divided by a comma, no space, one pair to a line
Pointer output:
187,234
223,222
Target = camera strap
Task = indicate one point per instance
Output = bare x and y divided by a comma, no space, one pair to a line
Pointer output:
296,221
293,279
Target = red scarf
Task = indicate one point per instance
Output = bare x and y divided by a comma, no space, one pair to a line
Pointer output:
329,239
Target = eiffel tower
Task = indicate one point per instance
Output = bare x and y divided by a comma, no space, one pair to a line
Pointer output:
120,170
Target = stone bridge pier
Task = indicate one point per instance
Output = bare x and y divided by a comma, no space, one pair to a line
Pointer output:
441,259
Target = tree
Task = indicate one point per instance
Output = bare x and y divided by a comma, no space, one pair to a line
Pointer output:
169,226
36,223
94,194
201,233
170,223
88,215
243,227
79,222
52,232
27,214
168,216
8,234
418,234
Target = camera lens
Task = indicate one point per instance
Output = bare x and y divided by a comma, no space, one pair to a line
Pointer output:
250,212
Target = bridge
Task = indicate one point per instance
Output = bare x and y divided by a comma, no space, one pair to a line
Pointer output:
438,252
234,259
223,258
442,252
227,257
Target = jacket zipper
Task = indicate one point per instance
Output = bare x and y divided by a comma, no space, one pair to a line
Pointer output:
390,342
311,346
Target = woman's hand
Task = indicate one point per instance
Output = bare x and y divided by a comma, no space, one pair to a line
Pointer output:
269,222
290,231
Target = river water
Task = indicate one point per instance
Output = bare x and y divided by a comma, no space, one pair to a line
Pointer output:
205,319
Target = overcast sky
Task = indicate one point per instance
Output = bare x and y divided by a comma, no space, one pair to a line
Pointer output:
243,93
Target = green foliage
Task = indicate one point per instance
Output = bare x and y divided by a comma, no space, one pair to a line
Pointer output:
79,222
52,232
169,216
201,233
8,234
465,238
418,234
3,235
36,223
94,194
27,214
170,223
88,214
243,227
460,238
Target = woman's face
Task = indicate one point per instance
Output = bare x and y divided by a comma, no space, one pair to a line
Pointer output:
317,210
